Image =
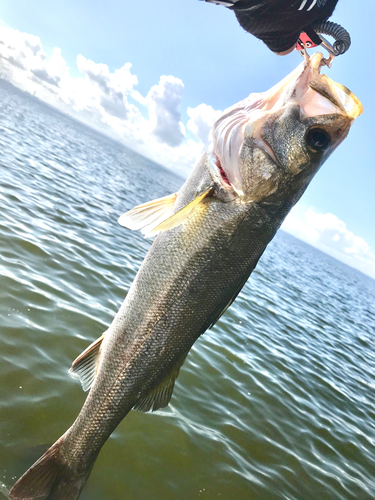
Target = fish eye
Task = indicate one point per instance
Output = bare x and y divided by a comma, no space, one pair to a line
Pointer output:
318,139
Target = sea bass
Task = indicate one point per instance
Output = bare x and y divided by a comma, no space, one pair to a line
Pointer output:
265,150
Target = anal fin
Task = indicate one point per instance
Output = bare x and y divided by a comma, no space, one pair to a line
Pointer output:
85,365
160,396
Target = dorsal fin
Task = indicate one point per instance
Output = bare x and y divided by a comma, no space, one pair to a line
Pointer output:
148,215
160,396
85,365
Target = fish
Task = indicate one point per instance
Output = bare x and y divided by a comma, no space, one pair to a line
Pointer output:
210,235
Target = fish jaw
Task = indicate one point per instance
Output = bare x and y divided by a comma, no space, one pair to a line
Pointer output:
316,98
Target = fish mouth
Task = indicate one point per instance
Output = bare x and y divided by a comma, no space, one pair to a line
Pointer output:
317,94
314,93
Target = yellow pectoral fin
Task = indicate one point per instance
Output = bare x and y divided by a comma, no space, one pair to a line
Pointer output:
148,215
180,216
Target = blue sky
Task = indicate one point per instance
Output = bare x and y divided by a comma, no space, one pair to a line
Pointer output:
206,58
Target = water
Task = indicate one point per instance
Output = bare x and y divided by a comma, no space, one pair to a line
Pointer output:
275,402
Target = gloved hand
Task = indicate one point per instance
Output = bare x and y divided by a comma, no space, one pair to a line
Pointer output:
278,23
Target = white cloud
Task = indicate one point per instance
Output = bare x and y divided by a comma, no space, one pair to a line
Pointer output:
104,90
330,234
121,81
164,101
201,121
43,75
108,100
22,60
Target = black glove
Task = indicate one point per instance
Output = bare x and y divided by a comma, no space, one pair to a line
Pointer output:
278,23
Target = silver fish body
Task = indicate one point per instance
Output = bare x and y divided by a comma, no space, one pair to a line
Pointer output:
265,152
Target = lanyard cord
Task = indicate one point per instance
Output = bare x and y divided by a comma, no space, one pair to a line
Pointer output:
341,36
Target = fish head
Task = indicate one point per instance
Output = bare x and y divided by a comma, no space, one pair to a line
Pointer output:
274,142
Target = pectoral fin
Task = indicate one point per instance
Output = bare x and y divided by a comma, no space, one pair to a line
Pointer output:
85,366
160,396
180,216
148,215
155,216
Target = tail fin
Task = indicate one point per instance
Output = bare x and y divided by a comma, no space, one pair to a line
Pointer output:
50,478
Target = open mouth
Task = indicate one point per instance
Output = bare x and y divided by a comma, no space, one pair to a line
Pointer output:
314,93
340,97
317,94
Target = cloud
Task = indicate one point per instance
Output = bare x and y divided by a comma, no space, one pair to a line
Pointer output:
97,73
24,52
115,105
331,235
164,102
112,89
34,44
109,101
121,80
43,75
201,120
14,61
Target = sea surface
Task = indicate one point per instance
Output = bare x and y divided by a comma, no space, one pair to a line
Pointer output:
275,402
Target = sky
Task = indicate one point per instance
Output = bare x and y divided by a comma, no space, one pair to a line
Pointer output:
156,74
